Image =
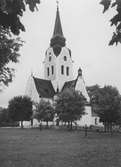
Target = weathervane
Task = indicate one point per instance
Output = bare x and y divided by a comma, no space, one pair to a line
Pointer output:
57,3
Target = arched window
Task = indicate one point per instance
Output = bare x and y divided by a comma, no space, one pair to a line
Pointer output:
52,69
50,58
65,58
67,71
62,69
48,71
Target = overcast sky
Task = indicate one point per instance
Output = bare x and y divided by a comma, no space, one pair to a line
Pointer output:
87,32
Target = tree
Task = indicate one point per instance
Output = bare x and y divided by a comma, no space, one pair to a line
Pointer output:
108,106
11,12
3,115
115,20
4,118
69,106
20,109
9,52
44,111
93,92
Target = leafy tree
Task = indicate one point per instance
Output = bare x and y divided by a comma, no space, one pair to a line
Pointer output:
3,115
4,118
11,12
20,109
44,111
108,106
115,20
69,106
93,92
9,53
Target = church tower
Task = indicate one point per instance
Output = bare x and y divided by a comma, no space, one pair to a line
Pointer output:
58,61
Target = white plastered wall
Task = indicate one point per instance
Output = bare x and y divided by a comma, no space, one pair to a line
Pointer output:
48,64
86,119
31,90
61,79
80,86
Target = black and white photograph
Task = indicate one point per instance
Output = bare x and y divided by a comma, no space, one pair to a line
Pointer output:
60,85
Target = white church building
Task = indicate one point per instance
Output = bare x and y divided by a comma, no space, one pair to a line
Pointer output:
58,75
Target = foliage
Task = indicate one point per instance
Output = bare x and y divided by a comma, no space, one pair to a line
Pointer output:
44,111
9,49
5,120
115,20
3,115
70,106
12,10
107,103
93,92
20,109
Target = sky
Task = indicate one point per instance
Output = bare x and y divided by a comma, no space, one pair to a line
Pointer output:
87,31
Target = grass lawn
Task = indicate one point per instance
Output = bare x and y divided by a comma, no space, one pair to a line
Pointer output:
58,148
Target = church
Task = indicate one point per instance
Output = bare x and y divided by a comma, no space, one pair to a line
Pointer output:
58,75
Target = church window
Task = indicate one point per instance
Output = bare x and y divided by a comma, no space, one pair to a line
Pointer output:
65,58
62,69
48,71
52,68
50,58
67,71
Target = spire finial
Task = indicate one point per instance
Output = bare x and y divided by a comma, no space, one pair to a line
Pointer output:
58,37
57,4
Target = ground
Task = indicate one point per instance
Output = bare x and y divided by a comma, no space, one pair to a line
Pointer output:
58,148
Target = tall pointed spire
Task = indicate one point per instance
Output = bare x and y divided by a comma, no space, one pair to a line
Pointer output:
58,37
58,28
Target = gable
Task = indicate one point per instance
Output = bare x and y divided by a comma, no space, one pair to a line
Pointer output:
78,85
44,88
69,85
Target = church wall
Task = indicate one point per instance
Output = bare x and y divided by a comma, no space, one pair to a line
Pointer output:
80,86
57,78
88,119
50,60
62,78
31,90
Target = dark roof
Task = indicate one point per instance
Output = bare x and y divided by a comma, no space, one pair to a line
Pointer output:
58,27
58,37
69,84
44,88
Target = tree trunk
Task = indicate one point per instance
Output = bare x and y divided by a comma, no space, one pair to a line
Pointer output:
40,125
71,126
47,124
31,122
22,124
68,124
105,127
108,127
111,128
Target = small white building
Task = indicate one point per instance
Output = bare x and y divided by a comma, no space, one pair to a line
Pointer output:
58,75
